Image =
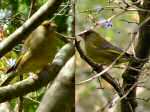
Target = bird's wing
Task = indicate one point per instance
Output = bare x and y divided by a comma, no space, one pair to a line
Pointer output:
107,45
13,68
107,48
28,41
113,50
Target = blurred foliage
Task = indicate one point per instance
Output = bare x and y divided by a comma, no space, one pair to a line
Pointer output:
118,34
62,16
89,97
13,13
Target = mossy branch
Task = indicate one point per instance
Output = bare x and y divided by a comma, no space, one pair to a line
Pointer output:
49,8
44,77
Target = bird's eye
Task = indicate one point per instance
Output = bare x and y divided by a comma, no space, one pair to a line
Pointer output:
47,25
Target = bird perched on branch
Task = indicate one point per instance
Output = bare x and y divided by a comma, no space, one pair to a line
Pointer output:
40,48
100,50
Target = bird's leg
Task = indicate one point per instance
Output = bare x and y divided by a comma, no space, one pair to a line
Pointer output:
64,38
100,84
20,100
99,79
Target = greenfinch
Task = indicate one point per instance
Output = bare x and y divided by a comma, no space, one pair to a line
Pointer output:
39,49
99,49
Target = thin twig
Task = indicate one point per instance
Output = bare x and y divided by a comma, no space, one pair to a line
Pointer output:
98,68
61,10
109,67
20,100
32,6
114,62
31,99
74,19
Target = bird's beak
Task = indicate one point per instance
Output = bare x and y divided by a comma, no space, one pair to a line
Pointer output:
49,23
84,34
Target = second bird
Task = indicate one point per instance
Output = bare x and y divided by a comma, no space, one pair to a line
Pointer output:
100,50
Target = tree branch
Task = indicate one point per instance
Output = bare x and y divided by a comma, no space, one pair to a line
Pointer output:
98,68
60,96
32,84
130,76
22,33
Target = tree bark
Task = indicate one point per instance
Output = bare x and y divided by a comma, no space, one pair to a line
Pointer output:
44,77
60,96
22,33
130,77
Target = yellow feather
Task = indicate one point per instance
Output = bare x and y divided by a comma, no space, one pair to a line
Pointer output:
41,47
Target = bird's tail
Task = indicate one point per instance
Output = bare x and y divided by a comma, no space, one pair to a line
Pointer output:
13,68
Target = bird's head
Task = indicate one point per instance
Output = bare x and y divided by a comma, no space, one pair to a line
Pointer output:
88,34
49,25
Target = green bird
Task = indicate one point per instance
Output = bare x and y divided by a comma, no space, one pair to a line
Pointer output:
99,49
40,48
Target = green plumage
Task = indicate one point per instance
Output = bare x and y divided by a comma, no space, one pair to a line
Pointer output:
40,48
100,50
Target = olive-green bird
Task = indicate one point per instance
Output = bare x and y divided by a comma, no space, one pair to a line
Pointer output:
100,50
40,48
